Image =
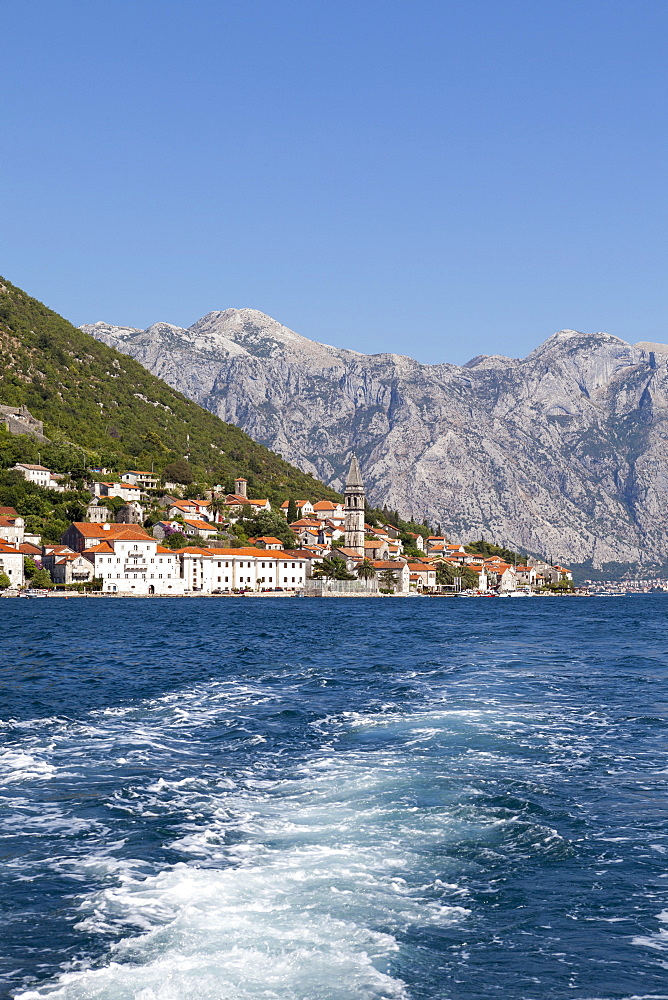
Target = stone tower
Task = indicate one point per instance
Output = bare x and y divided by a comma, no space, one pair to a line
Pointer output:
355,508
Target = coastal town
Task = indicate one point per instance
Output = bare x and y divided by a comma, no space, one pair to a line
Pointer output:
151,540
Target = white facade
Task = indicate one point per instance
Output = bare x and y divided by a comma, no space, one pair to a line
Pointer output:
12,530
35,474
145,480
11,563
136,565
126,491
225,570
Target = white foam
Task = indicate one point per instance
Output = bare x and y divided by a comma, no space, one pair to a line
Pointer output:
16,765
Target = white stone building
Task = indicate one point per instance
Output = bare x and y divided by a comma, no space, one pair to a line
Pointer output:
11,564
131,562
12,530
37,474
145,480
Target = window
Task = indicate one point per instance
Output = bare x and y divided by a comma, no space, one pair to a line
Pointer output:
293,565
135,548
219,578
227,579
159,576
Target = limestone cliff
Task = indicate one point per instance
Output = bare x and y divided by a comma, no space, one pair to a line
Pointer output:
563,453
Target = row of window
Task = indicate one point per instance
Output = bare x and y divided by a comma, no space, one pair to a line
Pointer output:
127,576
110,559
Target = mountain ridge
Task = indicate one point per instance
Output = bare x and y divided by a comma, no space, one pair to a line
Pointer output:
562,453
97,402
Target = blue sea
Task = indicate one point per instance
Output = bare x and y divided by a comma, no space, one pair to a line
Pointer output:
394,799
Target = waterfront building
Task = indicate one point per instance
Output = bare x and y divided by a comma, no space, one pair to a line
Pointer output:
11,564
130,562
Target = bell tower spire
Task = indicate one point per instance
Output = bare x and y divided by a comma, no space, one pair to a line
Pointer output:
354,515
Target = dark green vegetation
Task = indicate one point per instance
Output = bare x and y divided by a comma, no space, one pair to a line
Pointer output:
103,409
45,512
446,575
488,549
332,568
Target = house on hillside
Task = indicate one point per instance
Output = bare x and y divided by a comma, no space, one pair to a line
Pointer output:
195,526
269,542
37,474
97,513
145,480
126,491
130,513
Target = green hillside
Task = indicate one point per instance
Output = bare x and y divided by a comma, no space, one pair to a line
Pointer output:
101,408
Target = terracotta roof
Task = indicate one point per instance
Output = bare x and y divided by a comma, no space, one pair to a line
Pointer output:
8,512
5,547
97,549
199,525
28,549
109,530
324,505
34,468
8,522
270,539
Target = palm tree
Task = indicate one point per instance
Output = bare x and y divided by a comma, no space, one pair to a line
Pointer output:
334,568
365,570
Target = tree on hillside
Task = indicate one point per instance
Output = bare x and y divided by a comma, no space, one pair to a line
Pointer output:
178,472
29,567
4,581
292,511
483,548
266,522
387,579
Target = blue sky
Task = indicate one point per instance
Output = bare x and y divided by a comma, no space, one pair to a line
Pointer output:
439,179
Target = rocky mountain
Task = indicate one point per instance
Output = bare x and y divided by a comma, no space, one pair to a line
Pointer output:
563,453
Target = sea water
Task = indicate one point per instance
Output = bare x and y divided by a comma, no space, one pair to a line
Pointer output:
334,799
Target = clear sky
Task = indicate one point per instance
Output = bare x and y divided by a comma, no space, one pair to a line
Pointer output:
435,178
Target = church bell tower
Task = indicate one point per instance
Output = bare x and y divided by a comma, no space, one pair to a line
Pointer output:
354,516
